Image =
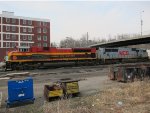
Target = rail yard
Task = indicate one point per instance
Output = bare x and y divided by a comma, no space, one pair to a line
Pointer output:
46,76
95,80
74,57
42,76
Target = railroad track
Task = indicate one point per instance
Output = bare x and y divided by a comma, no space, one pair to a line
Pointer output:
46,69
56,71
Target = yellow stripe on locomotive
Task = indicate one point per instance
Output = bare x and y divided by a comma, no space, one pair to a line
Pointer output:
48,57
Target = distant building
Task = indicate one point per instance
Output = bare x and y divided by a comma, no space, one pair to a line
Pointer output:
22,32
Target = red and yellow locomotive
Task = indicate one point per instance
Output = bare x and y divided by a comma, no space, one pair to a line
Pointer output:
37,56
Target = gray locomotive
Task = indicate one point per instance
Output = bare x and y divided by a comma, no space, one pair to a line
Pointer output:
121,54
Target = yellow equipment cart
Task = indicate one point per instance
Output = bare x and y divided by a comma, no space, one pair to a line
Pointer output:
64,88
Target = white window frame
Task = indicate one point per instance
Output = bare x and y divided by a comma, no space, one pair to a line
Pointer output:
39,45
7,28
24,29
39,23
13,37
24,22
13,28
7,20
44,30
7,44
29,22
29,37
29,30
39,30
24,37
13,20
7,36
24,44
39,38
13,44
44,23
44,38
44,45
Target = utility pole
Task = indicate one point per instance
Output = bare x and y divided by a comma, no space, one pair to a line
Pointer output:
141,21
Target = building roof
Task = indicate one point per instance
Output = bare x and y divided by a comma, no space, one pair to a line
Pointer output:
11,15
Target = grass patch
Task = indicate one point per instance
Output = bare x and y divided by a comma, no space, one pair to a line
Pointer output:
125,98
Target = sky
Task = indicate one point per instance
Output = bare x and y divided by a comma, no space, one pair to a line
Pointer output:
101,19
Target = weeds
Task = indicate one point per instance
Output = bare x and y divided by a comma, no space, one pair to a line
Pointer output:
125,98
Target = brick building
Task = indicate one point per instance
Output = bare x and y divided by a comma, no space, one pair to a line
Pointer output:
22,32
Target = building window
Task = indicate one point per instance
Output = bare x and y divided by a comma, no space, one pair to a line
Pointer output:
39,23
13,20
44,30
24,29
7,36
39,37
13,44
39,44
29,30
24,21
24,37
7,28
7,44
29,37
13,37
44,44
24,44
45,38
23,49
44,23
13,28
7,20
29,22
39,30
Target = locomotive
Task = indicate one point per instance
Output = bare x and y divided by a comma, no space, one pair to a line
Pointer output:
38,56
121,54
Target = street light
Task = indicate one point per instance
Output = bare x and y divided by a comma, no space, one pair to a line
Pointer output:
141,21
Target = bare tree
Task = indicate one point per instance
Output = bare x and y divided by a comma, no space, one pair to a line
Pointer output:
127,36
84,41
53,44
67,43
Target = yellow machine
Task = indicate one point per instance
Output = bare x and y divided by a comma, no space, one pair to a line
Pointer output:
62,89
52,91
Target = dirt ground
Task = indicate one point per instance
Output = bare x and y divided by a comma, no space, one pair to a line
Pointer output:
95,80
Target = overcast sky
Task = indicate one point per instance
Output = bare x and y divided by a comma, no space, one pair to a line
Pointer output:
73,19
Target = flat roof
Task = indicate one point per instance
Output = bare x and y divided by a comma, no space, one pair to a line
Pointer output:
11,15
